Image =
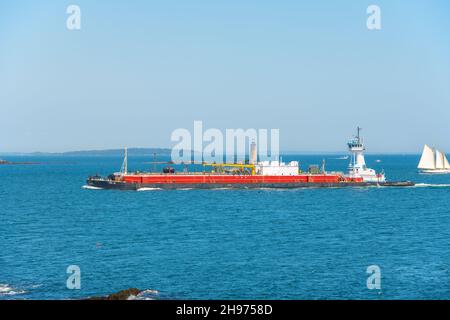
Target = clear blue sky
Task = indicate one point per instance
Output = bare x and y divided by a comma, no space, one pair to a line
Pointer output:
137,70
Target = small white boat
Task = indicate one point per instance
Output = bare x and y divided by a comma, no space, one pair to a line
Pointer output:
433,161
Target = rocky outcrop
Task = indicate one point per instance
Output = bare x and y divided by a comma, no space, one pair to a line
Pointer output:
121,295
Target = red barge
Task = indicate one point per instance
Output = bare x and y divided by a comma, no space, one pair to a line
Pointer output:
265,174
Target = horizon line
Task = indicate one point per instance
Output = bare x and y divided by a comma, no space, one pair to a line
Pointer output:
307,152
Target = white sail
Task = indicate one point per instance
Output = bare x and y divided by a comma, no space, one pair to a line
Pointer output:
439,160
446,164
428,159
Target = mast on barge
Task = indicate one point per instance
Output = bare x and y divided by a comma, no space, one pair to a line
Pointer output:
124,169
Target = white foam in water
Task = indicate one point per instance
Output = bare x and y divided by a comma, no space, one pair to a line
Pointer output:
430,185
149,291
91,188
6,290
145,295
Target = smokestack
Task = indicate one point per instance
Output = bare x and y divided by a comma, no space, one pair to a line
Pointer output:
253,153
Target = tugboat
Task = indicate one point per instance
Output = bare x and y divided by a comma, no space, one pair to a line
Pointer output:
254,174
357,166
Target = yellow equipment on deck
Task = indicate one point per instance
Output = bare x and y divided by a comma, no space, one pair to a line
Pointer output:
234,165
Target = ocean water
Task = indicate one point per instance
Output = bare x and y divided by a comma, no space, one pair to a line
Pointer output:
222,244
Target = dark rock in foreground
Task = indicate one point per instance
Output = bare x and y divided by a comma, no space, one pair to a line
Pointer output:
121,295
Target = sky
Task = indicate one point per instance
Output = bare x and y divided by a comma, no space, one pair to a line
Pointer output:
138,70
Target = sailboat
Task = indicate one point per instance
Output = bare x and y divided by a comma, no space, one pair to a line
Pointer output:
433,161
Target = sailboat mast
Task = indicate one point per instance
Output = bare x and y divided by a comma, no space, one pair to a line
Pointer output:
439,159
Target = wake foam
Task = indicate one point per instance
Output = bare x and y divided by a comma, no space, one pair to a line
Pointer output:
91,188
431,185
148,189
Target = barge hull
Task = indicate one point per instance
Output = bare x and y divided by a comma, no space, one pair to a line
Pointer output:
108,184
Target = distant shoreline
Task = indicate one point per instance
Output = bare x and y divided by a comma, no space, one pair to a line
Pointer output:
150,152
107,152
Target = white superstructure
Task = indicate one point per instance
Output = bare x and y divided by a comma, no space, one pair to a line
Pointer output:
276,168
357,167
272,168
433,161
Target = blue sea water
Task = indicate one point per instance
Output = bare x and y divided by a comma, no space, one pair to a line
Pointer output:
222,244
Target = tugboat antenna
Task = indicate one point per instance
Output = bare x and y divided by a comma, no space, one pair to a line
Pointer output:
358,136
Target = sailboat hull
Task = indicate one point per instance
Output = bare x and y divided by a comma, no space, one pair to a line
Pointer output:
435,171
